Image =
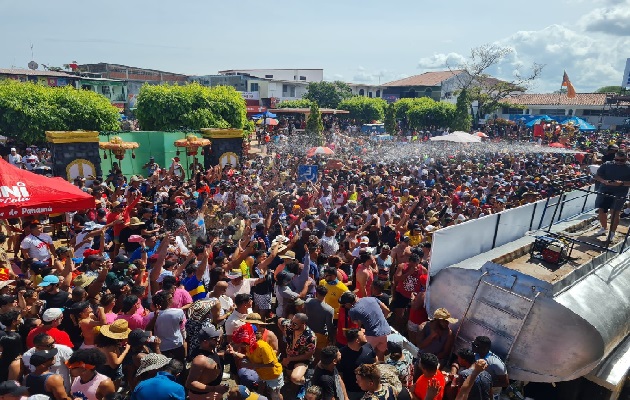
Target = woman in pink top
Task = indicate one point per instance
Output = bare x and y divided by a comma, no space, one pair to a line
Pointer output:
130,314
108,301
364,275
86,382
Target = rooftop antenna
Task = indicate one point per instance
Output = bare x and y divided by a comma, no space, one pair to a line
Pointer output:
32,64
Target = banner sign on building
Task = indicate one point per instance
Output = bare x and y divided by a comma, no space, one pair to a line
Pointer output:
250,95
625,83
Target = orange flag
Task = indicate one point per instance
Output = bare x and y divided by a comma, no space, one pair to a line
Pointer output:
567,83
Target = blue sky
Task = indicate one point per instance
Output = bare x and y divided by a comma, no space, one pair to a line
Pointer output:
354,41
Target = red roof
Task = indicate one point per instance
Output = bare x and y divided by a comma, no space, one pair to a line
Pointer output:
554,99
30,72
426,79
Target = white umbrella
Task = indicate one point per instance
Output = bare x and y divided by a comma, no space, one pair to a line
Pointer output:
457,137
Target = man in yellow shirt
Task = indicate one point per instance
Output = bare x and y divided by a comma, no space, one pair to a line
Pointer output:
260,356
335,289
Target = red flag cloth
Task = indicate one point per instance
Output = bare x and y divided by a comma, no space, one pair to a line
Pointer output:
24,193
567,83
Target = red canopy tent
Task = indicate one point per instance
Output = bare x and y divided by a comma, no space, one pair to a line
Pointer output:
24,193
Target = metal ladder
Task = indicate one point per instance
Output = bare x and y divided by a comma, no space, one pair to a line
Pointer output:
502,320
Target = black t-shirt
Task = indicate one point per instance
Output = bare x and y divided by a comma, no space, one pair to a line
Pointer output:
57,300
326,380
350,360
130,247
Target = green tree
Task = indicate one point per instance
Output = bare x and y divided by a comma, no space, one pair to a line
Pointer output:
364,109
315,126
328,94
167,108
299,103
390,119
28,110
462,120
483,88
609,89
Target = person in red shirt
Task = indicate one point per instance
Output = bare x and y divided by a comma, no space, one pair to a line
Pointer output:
120,217
429,367
343,324
409,280
51,320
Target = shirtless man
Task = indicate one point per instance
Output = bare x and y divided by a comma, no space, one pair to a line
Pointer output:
87,321
206,372
401,253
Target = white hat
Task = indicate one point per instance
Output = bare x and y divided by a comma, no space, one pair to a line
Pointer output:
13,149
5,283
365,240
52,314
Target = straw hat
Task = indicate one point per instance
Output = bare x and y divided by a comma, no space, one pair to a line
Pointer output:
135,221
119,330
255,318
442,313
83,280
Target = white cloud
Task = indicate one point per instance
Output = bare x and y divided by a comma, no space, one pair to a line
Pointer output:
372,77
613,19
441,61
590,62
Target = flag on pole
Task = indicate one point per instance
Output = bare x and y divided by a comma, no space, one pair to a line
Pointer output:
567,83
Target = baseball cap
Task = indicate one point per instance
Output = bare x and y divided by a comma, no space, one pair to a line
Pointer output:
248,377
49,280
52,314
11,388
40,357
209,332
138,336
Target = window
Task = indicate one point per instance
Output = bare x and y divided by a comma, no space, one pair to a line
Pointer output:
253,87
378,93
269,76
285,88
105,90
361,92
302,78
510,110
370,94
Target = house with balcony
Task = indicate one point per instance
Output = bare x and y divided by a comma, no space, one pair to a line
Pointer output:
281,74
365,90
114,90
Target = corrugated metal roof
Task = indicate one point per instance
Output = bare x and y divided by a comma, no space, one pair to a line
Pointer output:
30,72
550,99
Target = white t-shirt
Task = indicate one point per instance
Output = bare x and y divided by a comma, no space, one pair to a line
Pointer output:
38,246
169,327
59,367
30,161
80,237
244,287
235,321
15,159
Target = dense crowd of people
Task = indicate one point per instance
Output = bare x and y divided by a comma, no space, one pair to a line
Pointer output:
173,287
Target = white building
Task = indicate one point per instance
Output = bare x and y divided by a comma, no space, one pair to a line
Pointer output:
360,89
596,108
281,74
